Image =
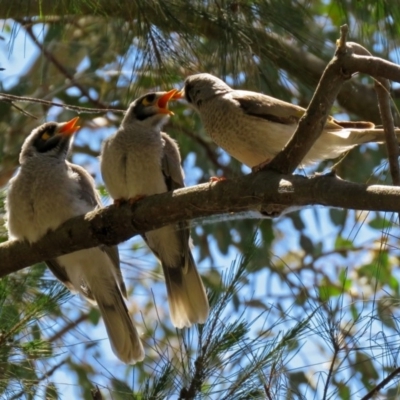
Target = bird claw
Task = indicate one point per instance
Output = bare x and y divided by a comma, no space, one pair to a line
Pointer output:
261,166
135,199
214,179
118,202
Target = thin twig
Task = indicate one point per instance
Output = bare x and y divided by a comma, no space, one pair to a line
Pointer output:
9,98
267,392
61,67
96,394
336,348
42,378
341,42
382,384
85,149
156,51
24,112
68,327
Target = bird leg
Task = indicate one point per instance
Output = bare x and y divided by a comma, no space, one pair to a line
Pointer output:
138,197
217,179
118,202
261,166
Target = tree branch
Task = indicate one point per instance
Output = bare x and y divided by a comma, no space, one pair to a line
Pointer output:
312,123
381,384
287,54
113,225
84,91
344,64
10,98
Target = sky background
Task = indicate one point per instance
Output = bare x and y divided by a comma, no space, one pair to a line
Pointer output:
17,55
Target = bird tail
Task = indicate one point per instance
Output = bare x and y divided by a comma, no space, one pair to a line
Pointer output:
123,336
334,142
360,136
187,298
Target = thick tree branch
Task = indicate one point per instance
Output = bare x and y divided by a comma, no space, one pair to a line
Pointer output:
113,225
344,64
382,88
354,96
312,123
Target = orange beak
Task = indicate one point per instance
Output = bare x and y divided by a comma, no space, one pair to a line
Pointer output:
69,128
162,102
179,94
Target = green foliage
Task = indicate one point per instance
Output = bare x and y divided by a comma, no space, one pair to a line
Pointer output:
26,301
309,311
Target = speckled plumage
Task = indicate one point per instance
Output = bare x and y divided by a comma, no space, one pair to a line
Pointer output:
253,127
46,192
140,160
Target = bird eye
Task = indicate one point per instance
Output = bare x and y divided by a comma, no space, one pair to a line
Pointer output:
148,100
45,136
199,103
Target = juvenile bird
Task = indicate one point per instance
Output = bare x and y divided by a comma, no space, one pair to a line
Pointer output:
47,191
139,160
253,127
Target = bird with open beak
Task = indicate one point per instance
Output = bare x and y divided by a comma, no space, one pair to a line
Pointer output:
47,191
140,160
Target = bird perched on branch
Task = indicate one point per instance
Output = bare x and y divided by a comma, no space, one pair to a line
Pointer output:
253,127
137,161
47,191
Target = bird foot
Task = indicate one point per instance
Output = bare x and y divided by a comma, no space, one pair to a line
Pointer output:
118,202
261,166
217,179
135,199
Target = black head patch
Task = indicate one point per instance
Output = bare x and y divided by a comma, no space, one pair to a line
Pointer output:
188,90
46,138
142,107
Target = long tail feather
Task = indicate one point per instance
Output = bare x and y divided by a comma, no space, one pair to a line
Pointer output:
333,143
187,297
124,338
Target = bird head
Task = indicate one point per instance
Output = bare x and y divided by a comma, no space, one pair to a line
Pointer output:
151,109
51,139
202,87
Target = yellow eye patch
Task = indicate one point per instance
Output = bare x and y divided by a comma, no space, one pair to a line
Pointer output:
45,136
146,102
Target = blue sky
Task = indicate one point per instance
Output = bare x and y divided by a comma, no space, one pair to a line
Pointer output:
18,53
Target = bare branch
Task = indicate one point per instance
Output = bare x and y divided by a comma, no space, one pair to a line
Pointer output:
381,385
113,225
344,64
59,66
312,123
46,375
392,147
9,98
85,149
71,325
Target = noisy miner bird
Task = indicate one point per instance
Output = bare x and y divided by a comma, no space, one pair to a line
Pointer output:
49,190
137,161
253,127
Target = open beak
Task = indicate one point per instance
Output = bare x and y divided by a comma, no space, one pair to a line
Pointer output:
180,94
162,102
69,128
